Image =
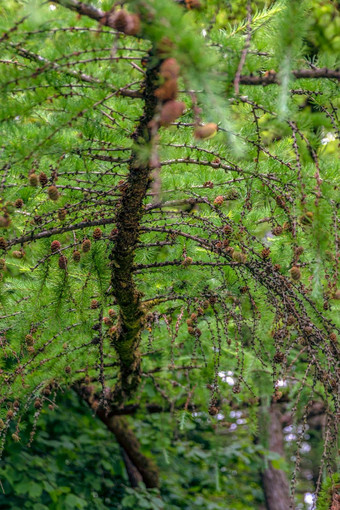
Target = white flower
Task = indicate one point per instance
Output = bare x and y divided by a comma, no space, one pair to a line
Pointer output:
330,137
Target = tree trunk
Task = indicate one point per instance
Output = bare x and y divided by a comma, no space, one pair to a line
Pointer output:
126,438
275,483
138,466
134,475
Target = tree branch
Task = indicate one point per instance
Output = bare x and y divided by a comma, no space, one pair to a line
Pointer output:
59,230
272,77
80,76
81,8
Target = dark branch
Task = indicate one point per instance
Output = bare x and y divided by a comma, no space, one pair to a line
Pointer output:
272,77
81,8
59,230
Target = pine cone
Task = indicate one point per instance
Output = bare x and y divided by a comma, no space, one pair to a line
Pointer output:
62,262
86,246
29,340
277,231
219,200
62,214
19,203
3,243
207,131
279,357
170,112
295,273
169,69
33,180
187,261
55,246
94,304
43,179
167,91
97,233
53,193
76,256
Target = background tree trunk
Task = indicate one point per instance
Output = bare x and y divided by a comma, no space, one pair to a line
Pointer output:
275,483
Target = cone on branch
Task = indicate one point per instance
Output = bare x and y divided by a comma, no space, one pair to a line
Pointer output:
62,214
169,69
55,246
97,234
187,262
171,110
94,304
219,200
3,243
124,22
277,231
53,193
62,262
167,91
33,180
205,132
43,179
86,246
19,203
76,256
295,273
29,340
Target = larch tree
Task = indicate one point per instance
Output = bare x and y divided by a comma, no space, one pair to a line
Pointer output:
170,223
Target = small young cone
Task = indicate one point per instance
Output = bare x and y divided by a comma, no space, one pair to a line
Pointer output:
53,193
33,180
207,131
171,111
169,69
295,273
167,91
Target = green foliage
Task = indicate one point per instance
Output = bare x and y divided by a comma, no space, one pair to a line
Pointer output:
73,461
330,487
228,282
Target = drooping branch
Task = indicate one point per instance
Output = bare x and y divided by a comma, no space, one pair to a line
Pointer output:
59,230
270,77
81,8
29,55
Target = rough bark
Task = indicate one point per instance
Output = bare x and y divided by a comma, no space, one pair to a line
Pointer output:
275,483
129,213
130,444
134,475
